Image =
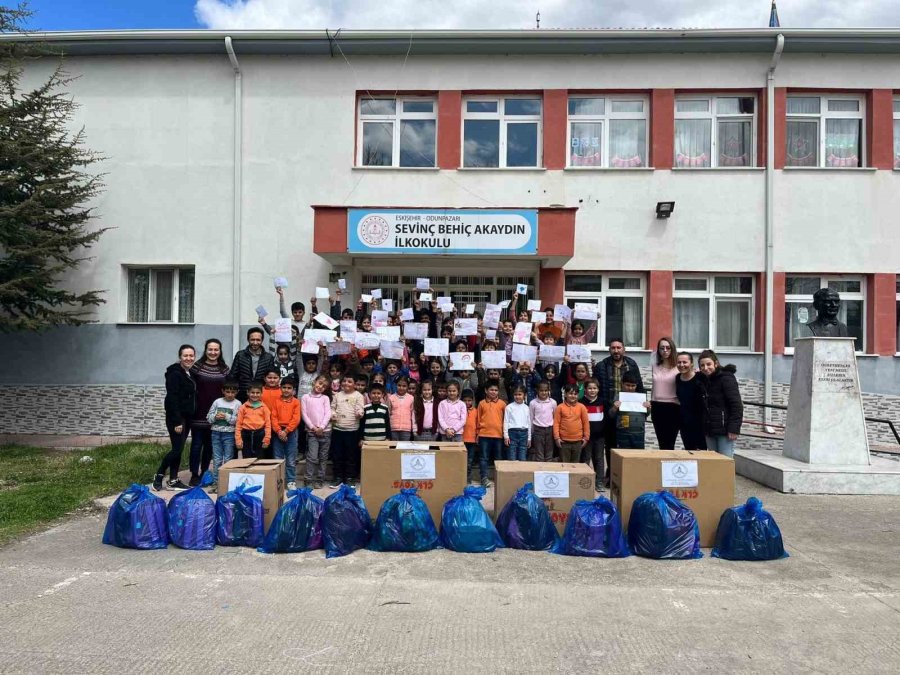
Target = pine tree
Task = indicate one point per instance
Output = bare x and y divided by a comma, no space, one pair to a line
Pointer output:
45,193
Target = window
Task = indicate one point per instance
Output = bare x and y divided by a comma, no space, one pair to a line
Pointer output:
897,133
825,131
160,295
502,132
898,316
607,132
399,132
620,298
799,308
714,312
716,131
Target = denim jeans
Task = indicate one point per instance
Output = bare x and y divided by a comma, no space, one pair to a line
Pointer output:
632,439
424,436
518,445
287,450
456,438
223,450
401,435
317,448
721,444
489,447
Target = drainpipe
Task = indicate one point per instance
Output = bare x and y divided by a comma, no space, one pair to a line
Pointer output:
770,225
236,209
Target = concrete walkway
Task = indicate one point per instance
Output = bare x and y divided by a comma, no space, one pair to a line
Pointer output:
70,604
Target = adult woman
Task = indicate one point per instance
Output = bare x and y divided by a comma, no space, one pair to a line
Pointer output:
690,408
723,409
209,374
664,400
181,400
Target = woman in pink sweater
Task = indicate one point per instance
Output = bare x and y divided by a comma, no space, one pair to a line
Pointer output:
401,405
664,408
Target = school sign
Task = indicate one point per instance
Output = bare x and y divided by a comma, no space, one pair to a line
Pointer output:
442,231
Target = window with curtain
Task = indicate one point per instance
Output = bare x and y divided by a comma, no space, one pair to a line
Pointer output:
799,310
825,131
897,133
159,295
715,131
607,132
714,312
398,132
897,316
620,302
502,132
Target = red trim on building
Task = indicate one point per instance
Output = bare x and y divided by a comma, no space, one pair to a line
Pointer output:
660,285
555,121
762,130
881,317
330,230
449,129
880,129
556,232
780,130
778,306
551,286
662,128
759,313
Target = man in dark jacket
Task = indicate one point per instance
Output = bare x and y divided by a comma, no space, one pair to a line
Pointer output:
609,374
250,364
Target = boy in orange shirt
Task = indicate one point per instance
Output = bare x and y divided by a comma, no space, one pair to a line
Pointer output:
285,420
571,427
253,429
489,430
469,431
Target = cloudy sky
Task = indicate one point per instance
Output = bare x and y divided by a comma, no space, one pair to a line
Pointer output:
231,14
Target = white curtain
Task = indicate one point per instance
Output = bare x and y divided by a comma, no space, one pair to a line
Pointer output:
627,143
138,295
896,144
693,142
732,324
633,317
802,143
691,319
734,143
163,295
186,296
842,137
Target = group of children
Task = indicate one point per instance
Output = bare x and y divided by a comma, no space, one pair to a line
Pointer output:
338,399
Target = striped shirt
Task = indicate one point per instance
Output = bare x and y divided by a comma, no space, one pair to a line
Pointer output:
375,422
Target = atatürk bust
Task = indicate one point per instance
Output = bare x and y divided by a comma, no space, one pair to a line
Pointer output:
827,303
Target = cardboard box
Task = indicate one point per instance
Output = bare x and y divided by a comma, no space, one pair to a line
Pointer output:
576,483
266,472
437,469
703,480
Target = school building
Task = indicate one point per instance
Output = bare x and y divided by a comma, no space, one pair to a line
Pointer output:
701,184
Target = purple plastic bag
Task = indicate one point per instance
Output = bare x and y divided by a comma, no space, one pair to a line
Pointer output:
192,518
525,523
240,518
297,526
137,519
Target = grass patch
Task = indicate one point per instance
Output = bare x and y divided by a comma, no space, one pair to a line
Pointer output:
39,486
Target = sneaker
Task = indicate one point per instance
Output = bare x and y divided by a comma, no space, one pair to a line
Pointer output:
157,482
335,484
318,485
176,485
354,482
195,481
292,486
486,483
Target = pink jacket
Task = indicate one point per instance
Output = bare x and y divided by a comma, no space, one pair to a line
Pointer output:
452,415
316,411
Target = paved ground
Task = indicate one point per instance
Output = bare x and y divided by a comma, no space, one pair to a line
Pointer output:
70,604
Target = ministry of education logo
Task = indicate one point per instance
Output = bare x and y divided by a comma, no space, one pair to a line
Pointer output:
551,482
373,230
679,471
417,463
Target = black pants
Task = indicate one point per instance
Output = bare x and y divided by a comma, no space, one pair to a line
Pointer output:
609,437
171,461
344,451
253,441
692,435
666,418
593,453
201,449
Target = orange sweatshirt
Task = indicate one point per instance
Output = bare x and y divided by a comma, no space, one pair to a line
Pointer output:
285,415
270,395
570,423
489,422
470,429
252,418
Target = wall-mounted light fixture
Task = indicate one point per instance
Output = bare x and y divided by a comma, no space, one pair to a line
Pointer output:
664,209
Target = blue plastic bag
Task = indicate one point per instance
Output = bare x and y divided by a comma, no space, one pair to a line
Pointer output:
192,518
240,518
593,528
525,523
465,525
346,525
137,519
661,526
404,524
748,533
297,526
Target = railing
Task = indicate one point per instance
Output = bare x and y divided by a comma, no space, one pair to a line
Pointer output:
776,406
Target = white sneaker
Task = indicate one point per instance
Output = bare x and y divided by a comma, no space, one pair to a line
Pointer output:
292,486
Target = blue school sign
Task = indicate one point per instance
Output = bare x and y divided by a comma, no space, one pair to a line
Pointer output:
442,231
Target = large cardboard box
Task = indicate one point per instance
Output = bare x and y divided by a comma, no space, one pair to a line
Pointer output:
437,469
569,482
702,479
266,472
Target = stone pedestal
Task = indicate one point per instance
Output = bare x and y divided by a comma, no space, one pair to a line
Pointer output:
825,421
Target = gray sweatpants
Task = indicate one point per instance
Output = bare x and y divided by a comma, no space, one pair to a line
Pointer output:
317,455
